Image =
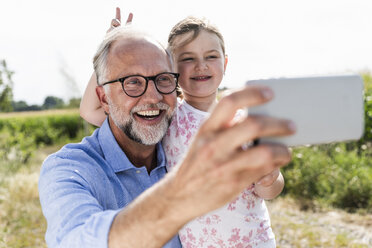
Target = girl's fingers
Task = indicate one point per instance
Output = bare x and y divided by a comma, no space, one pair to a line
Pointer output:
269,179
115,23
130,18
118,14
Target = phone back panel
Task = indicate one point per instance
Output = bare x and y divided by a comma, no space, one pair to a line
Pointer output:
324,109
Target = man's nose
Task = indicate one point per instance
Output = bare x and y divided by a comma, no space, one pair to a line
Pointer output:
152,95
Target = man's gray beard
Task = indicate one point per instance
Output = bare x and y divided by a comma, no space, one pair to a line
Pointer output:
143,134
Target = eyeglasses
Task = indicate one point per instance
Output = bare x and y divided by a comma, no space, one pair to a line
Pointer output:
136,85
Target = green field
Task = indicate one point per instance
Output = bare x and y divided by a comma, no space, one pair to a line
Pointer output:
26,139
39,113
21,221
296,223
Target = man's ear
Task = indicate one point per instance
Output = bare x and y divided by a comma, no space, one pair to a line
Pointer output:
225,64
101,94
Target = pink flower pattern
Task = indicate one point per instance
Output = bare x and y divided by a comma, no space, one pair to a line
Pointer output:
242,223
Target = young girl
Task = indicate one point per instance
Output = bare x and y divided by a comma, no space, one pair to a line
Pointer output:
199,54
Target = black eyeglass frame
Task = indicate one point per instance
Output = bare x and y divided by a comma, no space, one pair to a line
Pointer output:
152,78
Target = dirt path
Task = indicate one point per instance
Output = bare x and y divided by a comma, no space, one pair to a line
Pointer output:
321,228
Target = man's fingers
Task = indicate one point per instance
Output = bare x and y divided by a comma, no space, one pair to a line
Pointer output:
258,156
251,128
266,126
254,127
225,110
253,164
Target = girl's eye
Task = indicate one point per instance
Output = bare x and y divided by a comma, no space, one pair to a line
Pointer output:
187,59
212,57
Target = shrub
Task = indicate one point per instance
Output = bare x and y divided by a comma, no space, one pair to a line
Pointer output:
22,135
331,174
339,174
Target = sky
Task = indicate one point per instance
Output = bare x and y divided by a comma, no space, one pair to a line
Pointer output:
50,44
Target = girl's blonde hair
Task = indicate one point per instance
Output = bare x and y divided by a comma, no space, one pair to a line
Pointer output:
195,25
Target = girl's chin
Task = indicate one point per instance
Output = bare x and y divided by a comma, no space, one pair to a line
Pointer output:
201,94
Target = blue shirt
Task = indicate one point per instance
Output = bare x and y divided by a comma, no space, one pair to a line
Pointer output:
83,186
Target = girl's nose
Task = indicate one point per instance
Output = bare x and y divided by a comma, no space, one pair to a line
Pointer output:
201,65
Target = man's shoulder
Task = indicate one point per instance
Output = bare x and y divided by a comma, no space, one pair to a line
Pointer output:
89,147
75,156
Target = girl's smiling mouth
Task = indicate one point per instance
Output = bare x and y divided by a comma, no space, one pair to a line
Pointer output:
201,78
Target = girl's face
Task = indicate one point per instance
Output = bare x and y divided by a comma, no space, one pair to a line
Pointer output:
201,64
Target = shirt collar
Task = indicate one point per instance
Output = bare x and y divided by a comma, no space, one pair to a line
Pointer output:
115,156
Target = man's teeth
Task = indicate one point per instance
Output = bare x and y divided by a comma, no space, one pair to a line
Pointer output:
149,113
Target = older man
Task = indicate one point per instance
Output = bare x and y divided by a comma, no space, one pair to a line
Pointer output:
110,190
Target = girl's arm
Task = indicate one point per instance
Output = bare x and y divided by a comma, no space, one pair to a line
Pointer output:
90,107
270,186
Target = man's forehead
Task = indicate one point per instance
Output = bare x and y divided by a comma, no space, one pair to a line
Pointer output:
133,46
138,52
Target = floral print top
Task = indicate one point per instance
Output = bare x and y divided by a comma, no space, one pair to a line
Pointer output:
242,223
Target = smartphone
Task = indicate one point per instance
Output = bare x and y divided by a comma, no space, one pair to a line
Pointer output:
325,109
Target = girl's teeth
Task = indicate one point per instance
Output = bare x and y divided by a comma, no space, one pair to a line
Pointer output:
201,78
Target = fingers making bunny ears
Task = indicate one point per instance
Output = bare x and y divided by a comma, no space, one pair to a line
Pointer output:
117,21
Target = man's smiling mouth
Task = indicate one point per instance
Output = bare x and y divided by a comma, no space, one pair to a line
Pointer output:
149,114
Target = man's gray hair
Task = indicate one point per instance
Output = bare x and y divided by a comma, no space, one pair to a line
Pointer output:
100,58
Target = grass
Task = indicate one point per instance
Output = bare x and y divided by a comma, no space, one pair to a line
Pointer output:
319,226
23,225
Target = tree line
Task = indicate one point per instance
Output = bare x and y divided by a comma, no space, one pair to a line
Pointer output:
7,104
50,102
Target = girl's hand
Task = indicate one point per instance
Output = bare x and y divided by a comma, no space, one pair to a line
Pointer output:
117,21
269,179
270,185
